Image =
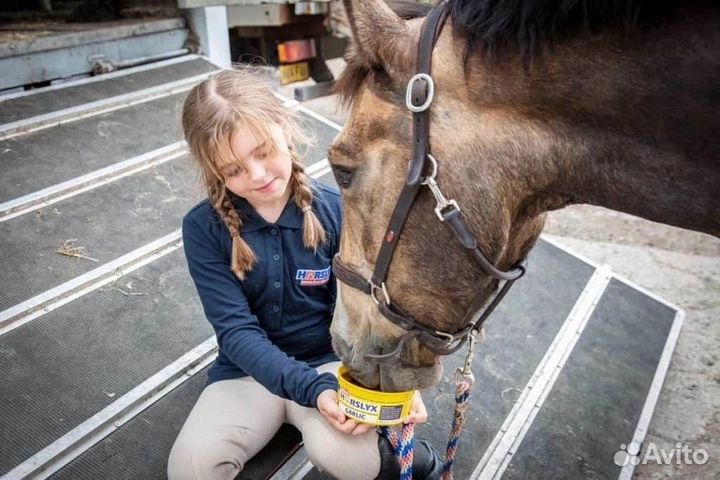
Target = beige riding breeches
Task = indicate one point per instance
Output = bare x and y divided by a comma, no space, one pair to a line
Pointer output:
234,419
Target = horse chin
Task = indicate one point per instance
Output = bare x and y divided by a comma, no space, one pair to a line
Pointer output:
387,377
365,373
404,378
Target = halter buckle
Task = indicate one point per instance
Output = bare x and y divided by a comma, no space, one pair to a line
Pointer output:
430,94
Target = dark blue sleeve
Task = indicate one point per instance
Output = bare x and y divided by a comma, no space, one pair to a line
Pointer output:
238,331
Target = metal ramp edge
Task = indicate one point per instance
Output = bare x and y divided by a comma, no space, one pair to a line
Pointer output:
63,95
543,378
66,54
100,78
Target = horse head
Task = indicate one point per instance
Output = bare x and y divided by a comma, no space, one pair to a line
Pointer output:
431,277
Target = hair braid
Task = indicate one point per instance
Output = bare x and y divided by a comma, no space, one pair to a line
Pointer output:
214,110
313,231
243,258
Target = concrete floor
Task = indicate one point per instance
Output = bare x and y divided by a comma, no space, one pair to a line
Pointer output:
680,266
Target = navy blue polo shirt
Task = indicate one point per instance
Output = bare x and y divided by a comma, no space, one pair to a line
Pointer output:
275,324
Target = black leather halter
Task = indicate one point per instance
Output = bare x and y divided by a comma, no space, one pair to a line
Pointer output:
419,96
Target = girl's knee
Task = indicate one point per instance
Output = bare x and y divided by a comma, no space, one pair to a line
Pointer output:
343,456
203,460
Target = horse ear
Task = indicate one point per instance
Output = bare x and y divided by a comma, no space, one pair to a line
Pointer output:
380,35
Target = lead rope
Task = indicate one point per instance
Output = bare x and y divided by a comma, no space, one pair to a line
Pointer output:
403,446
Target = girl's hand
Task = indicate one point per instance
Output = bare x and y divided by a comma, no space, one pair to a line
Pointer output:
327,405
418,412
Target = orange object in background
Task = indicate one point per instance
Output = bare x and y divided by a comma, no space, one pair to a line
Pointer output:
296,50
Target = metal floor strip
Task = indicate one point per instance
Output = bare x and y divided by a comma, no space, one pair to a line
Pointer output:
49,300
305,468
41,122
48,196
496,457
626,472
100,78
68,447
295,467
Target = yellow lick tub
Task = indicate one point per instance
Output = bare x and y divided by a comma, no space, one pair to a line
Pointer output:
371,406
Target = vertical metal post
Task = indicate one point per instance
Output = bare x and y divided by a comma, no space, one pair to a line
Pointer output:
210,26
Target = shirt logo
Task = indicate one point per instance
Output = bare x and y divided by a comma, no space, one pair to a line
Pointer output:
310,278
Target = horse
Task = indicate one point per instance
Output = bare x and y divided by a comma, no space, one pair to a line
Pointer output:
538,104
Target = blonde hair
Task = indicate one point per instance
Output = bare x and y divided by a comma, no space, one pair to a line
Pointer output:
213,111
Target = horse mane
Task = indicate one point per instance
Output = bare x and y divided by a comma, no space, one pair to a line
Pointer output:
493,29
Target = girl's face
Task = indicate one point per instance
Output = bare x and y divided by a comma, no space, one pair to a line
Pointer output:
262,173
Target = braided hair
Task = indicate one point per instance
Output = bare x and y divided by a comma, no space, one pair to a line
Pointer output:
213,111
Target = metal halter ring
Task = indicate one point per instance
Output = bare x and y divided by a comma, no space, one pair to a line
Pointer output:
450,338
434,165
408,93
383,288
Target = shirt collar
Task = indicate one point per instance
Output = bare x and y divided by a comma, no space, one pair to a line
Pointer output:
291,216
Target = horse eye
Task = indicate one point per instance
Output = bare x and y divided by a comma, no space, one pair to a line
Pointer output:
343,175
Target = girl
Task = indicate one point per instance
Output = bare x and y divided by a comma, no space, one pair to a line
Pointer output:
259,250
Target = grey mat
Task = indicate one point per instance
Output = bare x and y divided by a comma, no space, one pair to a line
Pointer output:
62,368
322,135
595,404
45,102
38,160
108,221
139,449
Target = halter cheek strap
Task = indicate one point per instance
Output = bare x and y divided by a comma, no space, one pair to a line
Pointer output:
419,96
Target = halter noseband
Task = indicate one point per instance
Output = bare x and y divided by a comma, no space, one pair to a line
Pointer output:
419,96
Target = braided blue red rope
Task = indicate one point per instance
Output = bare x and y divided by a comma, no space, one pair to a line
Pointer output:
403,446
462,397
